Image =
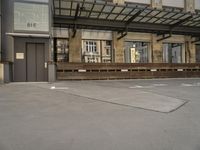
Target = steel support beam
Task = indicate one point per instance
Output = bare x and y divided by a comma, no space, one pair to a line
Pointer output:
75,18
181,22
133,17
197,40
165,37
101,24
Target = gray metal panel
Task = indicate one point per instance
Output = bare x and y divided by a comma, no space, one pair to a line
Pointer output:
40,62
20,65
31,69
7,26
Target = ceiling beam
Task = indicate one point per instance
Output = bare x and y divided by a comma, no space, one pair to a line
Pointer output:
133,17
197,40
120,26
165,37
181,22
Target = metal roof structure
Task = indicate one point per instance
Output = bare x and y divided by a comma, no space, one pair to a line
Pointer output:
130,17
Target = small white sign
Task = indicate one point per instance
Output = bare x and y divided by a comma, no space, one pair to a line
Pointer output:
124,70
19,55
180,70
153,70
81,70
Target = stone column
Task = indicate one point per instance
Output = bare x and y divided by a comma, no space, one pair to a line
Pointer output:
75,46
157,52
51,72
190,6
5,72
118,46
118,1
156,4
190,50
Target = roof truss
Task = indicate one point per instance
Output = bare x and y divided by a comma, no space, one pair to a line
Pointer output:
130,18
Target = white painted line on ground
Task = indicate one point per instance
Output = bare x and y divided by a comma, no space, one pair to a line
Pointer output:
139,87
136,87
187,85
59,88
159,84
191,85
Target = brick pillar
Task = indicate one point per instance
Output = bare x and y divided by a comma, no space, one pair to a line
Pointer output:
118,46
156,4
157,53
190,50
75,46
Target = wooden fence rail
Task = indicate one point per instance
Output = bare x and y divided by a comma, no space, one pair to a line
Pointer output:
102,71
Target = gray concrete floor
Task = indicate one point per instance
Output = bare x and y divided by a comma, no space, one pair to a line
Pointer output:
78,115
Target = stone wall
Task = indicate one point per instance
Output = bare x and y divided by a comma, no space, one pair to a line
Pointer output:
75,46
118,46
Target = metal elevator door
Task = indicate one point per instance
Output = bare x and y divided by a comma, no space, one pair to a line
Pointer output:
35,62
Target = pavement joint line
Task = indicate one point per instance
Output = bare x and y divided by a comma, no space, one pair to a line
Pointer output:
186,100
108,102
104,101
119,104
124,105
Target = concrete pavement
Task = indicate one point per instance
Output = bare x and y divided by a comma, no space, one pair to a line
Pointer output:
100,115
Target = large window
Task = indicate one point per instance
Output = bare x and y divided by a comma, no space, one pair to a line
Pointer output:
96,51
137,52
198,53
61,50
172,52
91,47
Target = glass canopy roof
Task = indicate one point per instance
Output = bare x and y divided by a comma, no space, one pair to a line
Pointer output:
127,13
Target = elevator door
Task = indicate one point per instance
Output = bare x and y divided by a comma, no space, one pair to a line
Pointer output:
35,65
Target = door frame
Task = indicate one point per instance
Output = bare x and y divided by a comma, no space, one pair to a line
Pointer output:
35,43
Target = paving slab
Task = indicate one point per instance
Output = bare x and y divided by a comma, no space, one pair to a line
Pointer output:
123,96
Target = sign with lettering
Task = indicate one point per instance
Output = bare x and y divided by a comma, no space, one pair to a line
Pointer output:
31,17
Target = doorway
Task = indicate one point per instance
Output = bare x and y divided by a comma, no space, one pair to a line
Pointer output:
35,62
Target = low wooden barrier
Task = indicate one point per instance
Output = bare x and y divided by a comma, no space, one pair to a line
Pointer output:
103,71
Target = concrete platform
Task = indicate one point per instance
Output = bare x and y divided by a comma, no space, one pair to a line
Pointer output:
88,115
125,96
